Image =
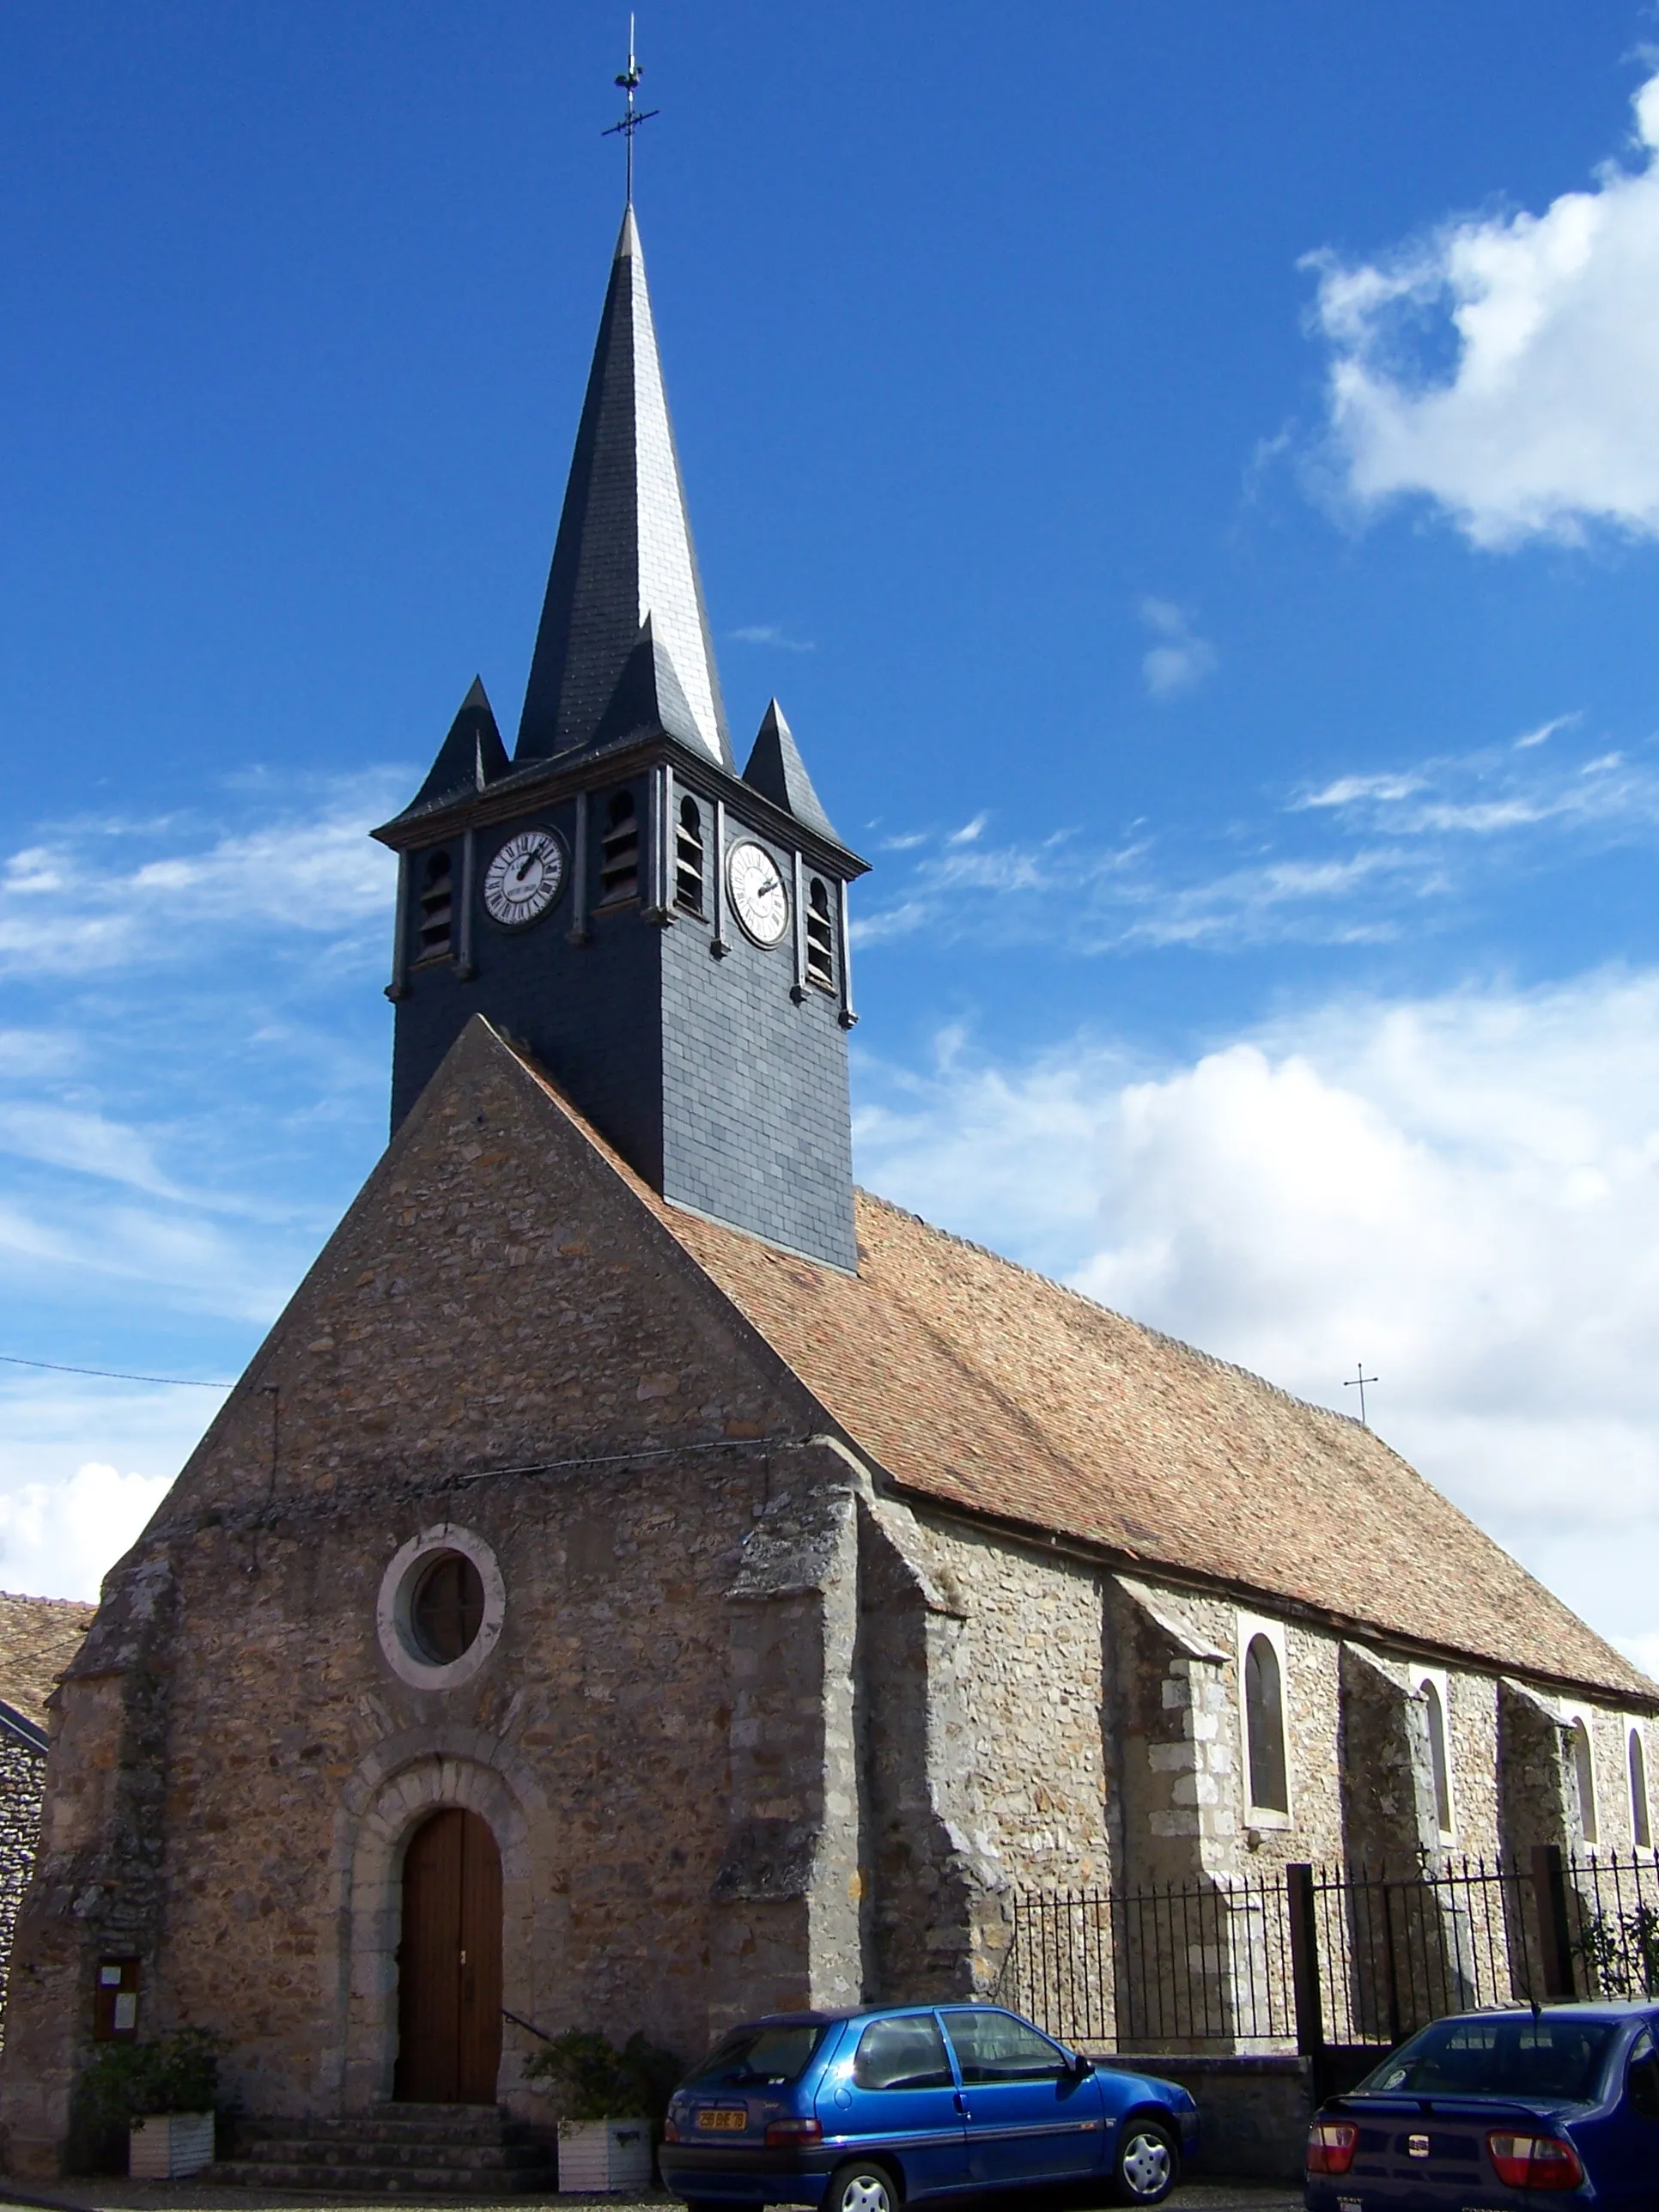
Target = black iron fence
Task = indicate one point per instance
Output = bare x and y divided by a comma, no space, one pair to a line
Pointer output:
1338,1963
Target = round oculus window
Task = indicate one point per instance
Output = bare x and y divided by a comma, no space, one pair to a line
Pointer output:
442,1608
446,1608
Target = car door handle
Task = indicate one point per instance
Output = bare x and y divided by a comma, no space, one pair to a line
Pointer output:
962,2103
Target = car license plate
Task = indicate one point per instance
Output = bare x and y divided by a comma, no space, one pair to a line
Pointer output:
724,2123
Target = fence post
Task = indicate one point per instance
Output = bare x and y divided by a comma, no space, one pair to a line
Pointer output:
1549,1883
1304,1960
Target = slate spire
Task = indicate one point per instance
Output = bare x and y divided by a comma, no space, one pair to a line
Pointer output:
624,554
777,771
472,756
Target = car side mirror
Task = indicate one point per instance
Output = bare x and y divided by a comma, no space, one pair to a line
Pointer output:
1082,2068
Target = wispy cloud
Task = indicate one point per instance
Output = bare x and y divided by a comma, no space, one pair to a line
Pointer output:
1364,857
771,634
94,894
1179,659
1545,731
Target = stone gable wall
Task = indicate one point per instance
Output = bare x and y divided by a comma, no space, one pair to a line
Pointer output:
492,1303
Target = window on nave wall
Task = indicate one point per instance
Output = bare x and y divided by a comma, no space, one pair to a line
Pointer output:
1264,1727
1641,1823
1434,1697
1583,1767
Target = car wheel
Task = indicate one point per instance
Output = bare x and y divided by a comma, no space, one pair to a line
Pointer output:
860,2187
1148,2163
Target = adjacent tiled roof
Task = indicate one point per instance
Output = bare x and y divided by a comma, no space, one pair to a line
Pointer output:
972,1381
39,1637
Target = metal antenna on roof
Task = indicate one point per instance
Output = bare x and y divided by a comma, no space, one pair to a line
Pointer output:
630,83
1358,1380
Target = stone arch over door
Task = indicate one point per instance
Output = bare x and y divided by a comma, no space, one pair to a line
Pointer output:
396,1787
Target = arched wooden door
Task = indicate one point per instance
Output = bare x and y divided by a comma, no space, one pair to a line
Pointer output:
449,1964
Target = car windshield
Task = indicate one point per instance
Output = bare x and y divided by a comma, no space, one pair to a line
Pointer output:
774,2053
1516,2055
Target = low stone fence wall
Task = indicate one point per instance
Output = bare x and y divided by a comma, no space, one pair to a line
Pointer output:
1255,2112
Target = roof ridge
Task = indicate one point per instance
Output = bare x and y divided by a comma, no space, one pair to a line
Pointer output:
1145,1329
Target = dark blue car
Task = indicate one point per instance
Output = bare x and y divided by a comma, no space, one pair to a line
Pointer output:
1559,2107
863,2112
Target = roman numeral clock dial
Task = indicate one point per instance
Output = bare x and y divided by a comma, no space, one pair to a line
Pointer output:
758,898
524,878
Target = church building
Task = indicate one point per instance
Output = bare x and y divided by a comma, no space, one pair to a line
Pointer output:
643,1580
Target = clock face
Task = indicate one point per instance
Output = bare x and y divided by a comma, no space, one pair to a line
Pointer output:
524,878
758,898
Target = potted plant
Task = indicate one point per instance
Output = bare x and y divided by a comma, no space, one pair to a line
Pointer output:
163,2095
609,2105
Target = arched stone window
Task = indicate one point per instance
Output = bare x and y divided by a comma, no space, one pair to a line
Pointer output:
619,850
1641,1825
820,937
437,907
687,858
1439,1754
1264,1727
1583,1767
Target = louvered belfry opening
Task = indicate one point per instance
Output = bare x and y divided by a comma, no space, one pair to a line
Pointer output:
820,937
437,905
688,858
619,850
449,1964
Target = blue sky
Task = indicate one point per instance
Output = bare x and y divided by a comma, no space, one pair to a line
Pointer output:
1191,476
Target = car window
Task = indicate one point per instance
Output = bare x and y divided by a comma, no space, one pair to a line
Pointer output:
1642,2080
902,2054
1518,2055
772,2053
993,2047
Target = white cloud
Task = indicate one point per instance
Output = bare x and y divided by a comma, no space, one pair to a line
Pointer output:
771,634
90,897
1180,658
60,1540
1549,417
1462,1191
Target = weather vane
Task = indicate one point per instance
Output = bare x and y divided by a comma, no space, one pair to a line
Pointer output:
629,84
1358,1380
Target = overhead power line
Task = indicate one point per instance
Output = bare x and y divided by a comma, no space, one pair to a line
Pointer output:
115,1374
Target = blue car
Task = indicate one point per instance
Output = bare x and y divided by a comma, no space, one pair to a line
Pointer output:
1558,2106
864,2111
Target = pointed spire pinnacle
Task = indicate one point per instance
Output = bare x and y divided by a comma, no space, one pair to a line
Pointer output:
777,771
472,756
624,551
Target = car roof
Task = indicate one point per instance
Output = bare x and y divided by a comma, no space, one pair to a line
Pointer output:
1611,2009
830,2019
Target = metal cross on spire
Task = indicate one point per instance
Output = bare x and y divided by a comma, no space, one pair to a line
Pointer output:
630,83
1358,1380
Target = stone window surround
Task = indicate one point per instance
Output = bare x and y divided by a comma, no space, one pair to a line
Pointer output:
1630,1725
1437,1679
396,1593
1573,1717
1251,1624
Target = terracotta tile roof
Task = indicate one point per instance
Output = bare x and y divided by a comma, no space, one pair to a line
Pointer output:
39,1637
975,1382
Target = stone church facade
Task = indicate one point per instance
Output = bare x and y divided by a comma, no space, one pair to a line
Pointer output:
734,1589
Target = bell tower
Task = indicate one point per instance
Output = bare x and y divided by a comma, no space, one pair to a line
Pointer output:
669,938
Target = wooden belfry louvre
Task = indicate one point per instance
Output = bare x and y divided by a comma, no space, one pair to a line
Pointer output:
449,1964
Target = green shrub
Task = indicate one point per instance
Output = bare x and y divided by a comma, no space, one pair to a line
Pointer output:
587,2078
128,2082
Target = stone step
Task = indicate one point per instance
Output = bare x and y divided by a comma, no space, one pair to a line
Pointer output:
354,2180
350,2151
